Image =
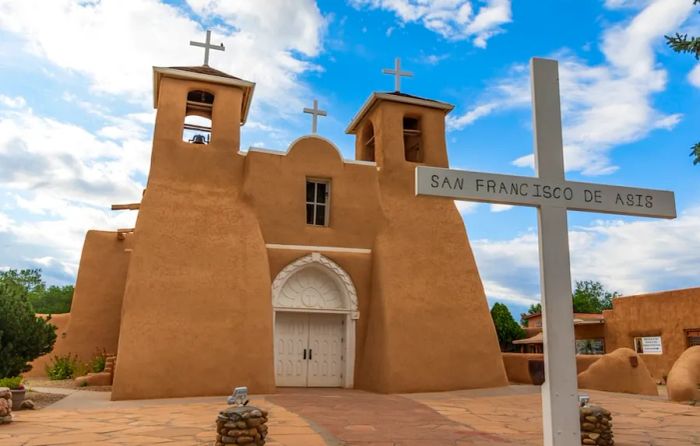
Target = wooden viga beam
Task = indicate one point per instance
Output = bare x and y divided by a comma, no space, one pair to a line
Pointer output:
126,207
121,233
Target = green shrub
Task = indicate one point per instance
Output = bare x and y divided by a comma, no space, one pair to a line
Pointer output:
98,362
13,383
23,336
65,367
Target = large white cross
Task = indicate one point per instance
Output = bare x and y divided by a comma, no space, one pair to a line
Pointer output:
397,73
553,196
208,46
315,113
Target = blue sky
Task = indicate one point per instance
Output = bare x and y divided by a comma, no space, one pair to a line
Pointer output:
76,114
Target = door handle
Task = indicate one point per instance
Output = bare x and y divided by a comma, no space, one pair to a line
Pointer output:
304,353
311,352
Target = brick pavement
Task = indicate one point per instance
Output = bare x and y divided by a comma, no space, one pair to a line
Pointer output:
334,417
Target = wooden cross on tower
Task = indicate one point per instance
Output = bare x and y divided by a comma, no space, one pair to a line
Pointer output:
552,195
208,46
397,73
315,113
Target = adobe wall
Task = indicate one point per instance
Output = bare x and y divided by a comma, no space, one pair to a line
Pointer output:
619,371
516,365
429,326
666,314
60,321
197,307
97,301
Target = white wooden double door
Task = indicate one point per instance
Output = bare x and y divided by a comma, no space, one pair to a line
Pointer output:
309,349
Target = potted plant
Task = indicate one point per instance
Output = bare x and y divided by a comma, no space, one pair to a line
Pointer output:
16,387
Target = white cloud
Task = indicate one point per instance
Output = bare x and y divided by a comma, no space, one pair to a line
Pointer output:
466,207
114,43
694,76
453,19
631,257
500,207
16,102
67,178
603,105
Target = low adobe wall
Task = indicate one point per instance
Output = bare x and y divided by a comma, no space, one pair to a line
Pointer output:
684,380
620,371
516,365
60,321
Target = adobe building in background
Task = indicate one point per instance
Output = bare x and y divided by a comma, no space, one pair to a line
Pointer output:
658,326
285,268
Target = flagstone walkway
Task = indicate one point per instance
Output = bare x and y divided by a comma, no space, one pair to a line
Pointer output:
334,417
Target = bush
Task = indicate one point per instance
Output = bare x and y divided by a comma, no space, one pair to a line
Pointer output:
13,383
65,367
23,336
98,362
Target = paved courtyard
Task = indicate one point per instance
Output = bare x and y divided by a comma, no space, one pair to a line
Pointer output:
311,417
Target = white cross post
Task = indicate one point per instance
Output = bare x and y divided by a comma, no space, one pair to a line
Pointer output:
397,73
553,196
315,113
208,46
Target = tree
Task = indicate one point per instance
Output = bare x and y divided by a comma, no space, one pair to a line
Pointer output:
681,43
51,300
54,300
592,297
507,329
534,309
23,336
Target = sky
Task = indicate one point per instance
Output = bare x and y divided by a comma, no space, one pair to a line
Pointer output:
76,113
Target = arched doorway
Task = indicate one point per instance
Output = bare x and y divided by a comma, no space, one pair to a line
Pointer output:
314,312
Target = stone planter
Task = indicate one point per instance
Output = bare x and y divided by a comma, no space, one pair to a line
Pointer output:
17,397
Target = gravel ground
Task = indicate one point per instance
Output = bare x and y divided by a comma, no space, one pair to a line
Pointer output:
63,384
40,399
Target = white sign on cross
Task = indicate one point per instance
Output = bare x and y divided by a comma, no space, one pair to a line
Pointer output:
315,113
208,46
397,73
553,196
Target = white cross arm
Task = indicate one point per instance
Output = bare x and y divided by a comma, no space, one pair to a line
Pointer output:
315,111
532,191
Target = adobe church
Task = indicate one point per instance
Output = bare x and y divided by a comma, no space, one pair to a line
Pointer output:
300,268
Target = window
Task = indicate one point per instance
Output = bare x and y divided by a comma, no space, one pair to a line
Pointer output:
197,125
317,202
590,346
648,345
692,337
368,142
412,140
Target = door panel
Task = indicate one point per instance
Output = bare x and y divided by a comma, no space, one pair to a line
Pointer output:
326,333
291,338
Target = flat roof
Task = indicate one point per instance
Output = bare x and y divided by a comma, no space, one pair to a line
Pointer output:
395,96
205,74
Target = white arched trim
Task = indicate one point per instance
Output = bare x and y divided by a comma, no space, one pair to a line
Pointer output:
334,272
327,278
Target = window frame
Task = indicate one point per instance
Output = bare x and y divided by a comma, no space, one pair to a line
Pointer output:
315,204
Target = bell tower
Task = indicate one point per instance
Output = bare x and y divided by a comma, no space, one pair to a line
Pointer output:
420,237
399,130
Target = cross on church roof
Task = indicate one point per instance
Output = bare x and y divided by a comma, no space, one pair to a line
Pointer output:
397,73
208,46
315,112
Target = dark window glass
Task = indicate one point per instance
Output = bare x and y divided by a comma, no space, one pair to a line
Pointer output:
309,214
310,191
320,192
320,215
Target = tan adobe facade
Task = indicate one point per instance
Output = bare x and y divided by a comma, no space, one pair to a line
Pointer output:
295,268
669,320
